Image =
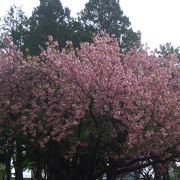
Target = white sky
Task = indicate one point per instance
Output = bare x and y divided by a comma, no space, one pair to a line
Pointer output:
158,20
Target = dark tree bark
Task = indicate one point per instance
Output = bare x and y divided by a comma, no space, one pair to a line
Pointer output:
8,154
19,162
38,174
166,175
110,177
56,165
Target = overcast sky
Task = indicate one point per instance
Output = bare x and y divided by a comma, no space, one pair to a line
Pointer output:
158,20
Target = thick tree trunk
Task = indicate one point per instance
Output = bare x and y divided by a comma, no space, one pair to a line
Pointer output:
110,177
55,163
166,175
54,175
38,175
19,162
8,168
8,155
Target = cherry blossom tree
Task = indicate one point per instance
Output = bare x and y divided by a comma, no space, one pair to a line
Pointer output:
92,110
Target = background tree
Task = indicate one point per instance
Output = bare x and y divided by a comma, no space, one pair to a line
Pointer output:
79,32
15,25
49,18
167,50
106,15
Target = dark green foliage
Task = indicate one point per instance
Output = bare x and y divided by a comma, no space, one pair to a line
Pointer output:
175,171
168,49
77,33
106,15
49,18
15,25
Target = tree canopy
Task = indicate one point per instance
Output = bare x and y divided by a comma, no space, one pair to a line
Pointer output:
117,112
15,25
51,18
106,15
